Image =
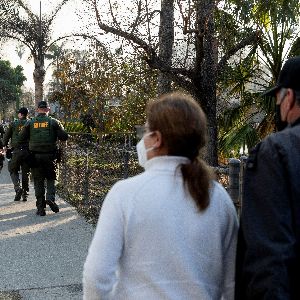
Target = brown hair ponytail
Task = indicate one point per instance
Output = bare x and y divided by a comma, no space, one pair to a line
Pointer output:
182,124
197,178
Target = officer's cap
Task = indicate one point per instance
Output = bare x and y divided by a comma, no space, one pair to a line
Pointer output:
43,104
288,77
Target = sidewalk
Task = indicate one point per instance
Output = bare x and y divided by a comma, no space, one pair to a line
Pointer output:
40,257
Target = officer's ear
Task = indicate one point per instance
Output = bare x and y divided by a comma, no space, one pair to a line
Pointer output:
291,99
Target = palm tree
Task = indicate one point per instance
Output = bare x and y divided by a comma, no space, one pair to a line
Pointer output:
253,119
33,31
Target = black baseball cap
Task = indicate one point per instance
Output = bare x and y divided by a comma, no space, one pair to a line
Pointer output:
43,104
23,111
289,77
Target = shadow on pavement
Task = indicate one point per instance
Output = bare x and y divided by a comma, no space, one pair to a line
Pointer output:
39,254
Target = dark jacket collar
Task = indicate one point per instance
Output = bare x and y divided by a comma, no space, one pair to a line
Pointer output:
297,122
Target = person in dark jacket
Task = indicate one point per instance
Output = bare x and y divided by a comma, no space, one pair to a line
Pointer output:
268,255
43,133
2,158
1,147
19,152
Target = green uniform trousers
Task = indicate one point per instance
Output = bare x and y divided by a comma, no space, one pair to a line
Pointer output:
44,176
1,161
18,162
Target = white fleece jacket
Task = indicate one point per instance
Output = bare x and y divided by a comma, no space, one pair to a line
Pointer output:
152,243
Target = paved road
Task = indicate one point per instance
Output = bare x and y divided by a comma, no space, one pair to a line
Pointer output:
40,257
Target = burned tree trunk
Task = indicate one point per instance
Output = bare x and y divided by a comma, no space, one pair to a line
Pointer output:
166,41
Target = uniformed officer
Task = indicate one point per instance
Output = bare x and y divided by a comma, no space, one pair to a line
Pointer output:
268,260
43,132
2,131
19,155
1,147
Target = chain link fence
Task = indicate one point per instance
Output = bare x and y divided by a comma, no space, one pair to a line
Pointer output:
91,165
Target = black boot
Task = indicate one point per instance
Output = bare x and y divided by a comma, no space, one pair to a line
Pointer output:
54,207
40,205
25,195
41,212
18,195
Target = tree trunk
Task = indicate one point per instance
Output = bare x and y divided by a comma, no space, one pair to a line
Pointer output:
208,85
38,77
211,155
166,41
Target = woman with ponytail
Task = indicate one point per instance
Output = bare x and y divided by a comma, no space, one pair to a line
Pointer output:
170,232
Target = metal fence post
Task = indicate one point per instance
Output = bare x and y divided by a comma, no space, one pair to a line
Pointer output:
86,180
126,164
234,180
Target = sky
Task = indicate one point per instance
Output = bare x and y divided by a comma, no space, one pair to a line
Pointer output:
67,21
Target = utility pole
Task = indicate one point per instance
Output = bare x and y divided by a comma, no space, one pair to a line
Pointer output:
39,67
40,50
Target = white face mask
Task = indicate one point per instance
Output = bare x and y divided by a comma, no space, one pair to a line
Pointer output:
142,151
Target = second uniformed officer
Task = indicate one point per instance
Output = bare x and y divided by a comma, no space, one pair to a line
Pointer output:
43,132
1,147
19,155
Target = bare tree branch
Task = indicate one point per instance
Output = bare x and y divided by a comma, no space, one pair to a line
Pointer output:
252,39
17,39
137,19
31,15
83,35
55,12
